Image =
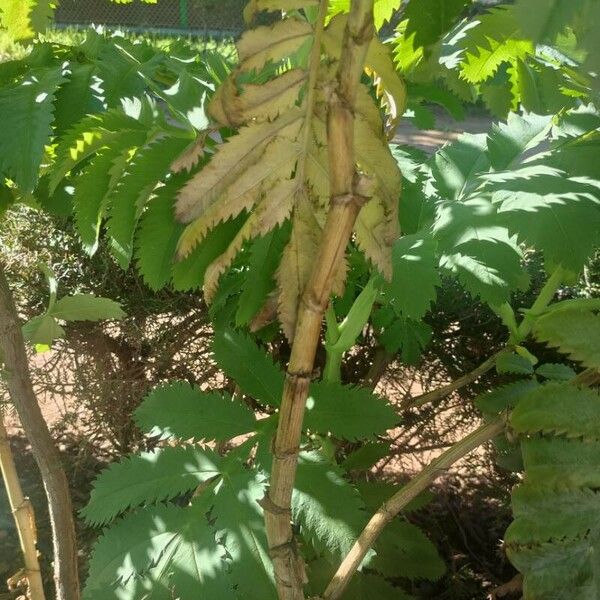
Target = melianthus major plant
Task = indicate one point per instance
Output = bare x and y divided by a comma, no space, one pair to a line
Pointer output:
286,208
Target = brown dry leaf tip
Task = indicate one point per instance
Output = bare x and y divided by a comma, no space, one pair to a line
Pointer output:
16,581
266,315
191,156
224,106
268,43
364,186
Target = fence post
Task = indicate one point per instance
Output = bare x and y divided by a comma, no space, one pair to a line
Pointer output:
184,21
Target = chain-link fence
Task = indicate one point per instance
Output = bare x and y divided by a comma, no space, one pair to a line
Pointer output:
213,18
207,18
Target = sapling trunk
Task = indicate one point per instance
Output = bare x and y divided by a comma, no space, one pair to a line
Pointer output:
22,511
20,388
347,197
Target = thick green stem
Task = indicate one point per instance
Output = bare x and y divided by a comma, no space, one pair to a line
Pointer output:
542,301
333,366
333,360
507,315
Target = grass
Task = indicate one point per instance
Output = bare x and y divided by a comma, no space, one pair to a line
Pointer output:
11,50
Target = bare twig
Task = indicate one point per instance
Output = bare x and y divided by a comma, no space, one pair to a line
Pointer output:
514,586
381,360
457,384
398,501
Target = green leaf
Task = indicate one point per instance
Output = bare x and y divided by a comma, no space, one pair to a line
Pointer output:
125,69
180,410
375,493
504,397
418,210
259,281
249,366
7,199
499,97
374,588
59,203
403,550
347,412
429,20
478,250
497,39
240,526
360,587
559,408
42,330
508,455
408,336
561,462
27,113
85,307
129,198
513,363
93,185
556,371
148,478
576,155
77,97
565,569
52,281
456,165
366,456
328,509
90,135
506,142
543,514
543,20
188,274
188,96
574,304
383,11
438,95
356,319
558,215
574,332
157,237
25,18
157,552
415,275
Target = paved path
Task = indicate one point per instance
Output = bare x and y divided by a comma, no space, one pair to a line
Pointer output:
447,129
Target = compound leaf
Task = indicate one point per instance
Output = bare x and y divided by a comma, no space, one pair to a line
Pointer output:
347,412
574,332
180,410
249,366
148,478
